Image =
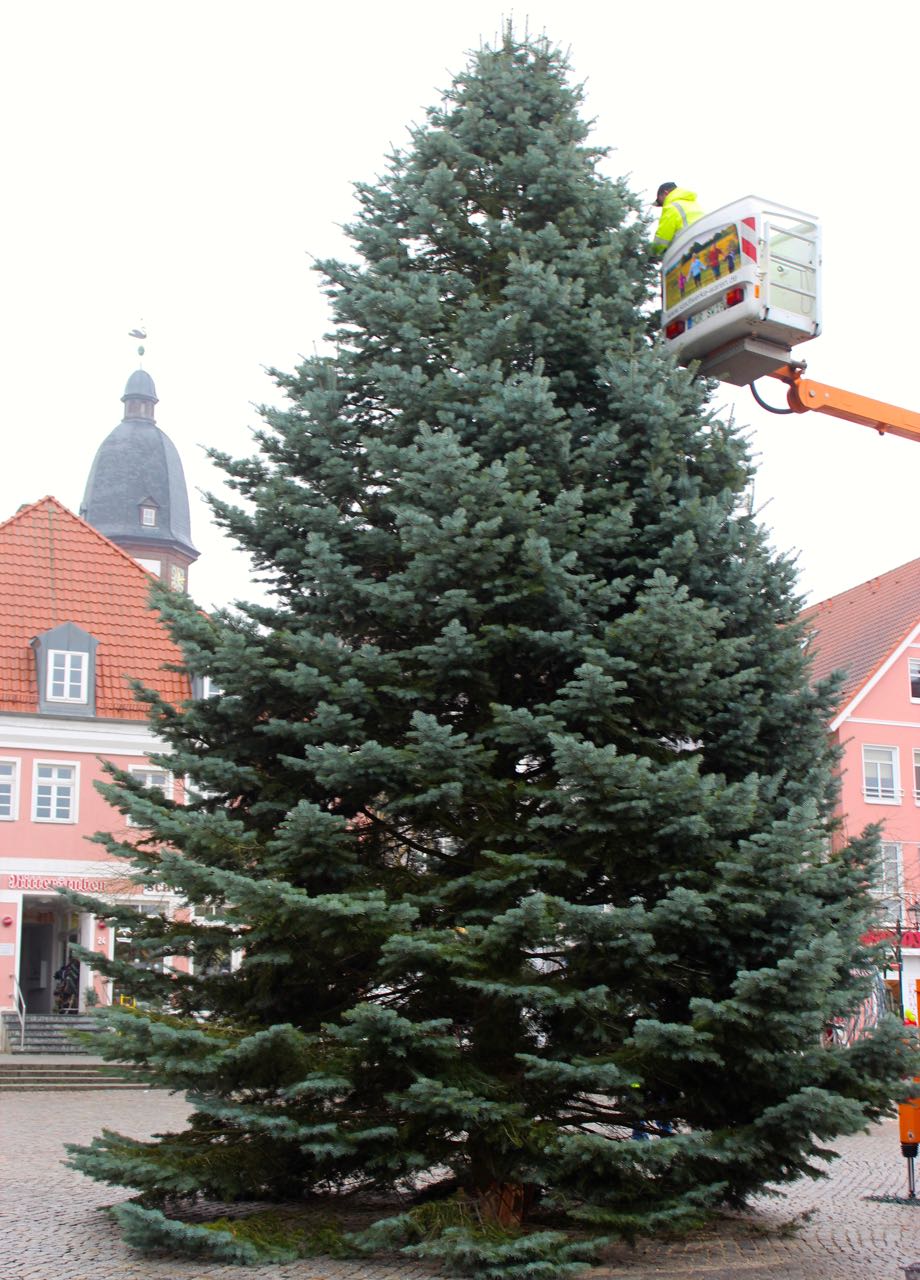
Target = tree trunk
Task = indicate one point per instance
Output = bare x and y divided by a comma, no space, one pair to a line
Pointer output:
506,1203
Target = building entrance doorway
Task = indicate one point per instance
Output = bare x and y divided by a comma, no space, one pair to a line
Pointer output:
36,974
48,928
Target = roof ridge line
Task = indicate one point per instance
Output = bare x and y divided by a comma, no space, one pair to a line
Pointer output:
33,506
914,560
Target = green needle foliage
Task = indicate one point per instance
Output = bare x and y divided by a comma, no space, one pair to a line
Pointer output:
514,803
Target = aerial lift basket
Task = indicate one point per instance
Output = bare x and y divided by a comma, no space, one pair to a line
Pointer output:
741,287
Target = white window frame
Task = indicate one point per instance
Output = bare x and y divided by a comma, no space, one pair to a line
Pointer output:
192,793
913,668
149,769
125,935
74,767
917,775
894,797
204,687
150,523
13,814
892,852
72,658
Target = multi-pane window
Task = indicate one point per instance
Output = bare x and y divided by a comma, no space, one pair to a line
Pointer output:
150,777
880,775
55,793
137,951
148,516
913,667
890,881
9,789
65,667
67,672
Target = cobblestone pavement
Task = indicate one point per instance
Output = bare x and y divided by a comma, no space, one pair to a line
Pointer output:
51,1227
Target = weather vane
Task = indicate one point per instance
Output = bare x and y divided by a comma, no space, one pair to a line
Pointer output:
139,332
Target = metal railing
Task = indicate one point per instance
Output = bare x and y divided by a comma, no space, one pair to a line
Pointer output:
20,1010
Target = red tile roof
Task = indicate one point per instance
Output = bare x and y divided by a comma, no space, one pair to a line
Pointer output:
858,629
56,568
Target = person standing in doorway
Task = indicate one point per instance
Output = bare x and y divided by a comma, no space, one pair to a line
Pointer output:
68,985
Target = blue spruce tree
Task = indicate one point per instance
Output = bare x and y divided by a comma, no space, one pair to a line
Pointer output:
514,802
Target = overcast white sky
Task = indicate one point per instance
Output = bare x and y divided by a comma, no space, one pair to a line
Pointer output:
181,161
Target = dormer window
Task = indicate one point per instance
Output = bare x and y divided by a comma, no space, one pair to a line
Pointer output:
67,676
65,671
149,513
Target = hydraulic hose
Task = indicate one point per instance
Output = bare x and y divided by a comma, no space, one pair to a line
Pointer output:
763,404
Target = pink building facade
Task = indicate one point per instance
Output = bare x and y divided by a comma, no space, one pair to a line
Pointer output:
872,634
49,809
76,625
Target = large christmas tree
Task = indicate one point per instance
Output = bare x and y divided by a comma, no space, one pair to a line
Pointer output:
514,804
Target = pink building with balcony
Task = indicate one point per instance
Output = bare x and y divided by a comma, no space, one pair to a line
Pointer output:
872,633
75,626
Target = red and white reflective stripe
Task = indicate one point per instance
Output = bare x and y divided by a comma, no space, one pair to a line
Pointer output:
749,247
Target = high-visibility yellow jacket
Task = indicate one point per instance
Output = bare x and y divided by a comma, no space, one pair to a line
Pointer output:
679,210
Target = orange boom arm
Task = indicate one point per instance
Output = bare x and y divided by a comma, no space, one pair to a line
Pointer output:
805,395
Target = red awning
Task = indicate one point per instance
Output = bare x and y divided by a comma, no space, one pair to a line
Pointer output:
910,938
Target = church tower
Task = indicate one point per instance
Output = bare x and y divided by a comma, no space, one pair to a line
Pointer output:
136,493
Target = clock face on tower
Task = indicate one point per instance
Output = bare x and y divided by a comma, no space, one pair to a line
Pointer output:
177,577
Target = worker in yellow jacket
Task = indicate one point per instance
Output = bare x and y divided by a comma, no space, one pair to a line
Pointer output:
678,210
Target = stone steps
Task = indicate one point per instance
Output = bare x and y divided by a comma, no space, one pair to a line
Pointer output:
42,1074
68,1086
49,1033
50,1058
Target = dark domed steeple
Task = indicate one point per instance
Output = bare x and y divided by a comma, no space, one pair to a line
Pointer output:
136,493
139,387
